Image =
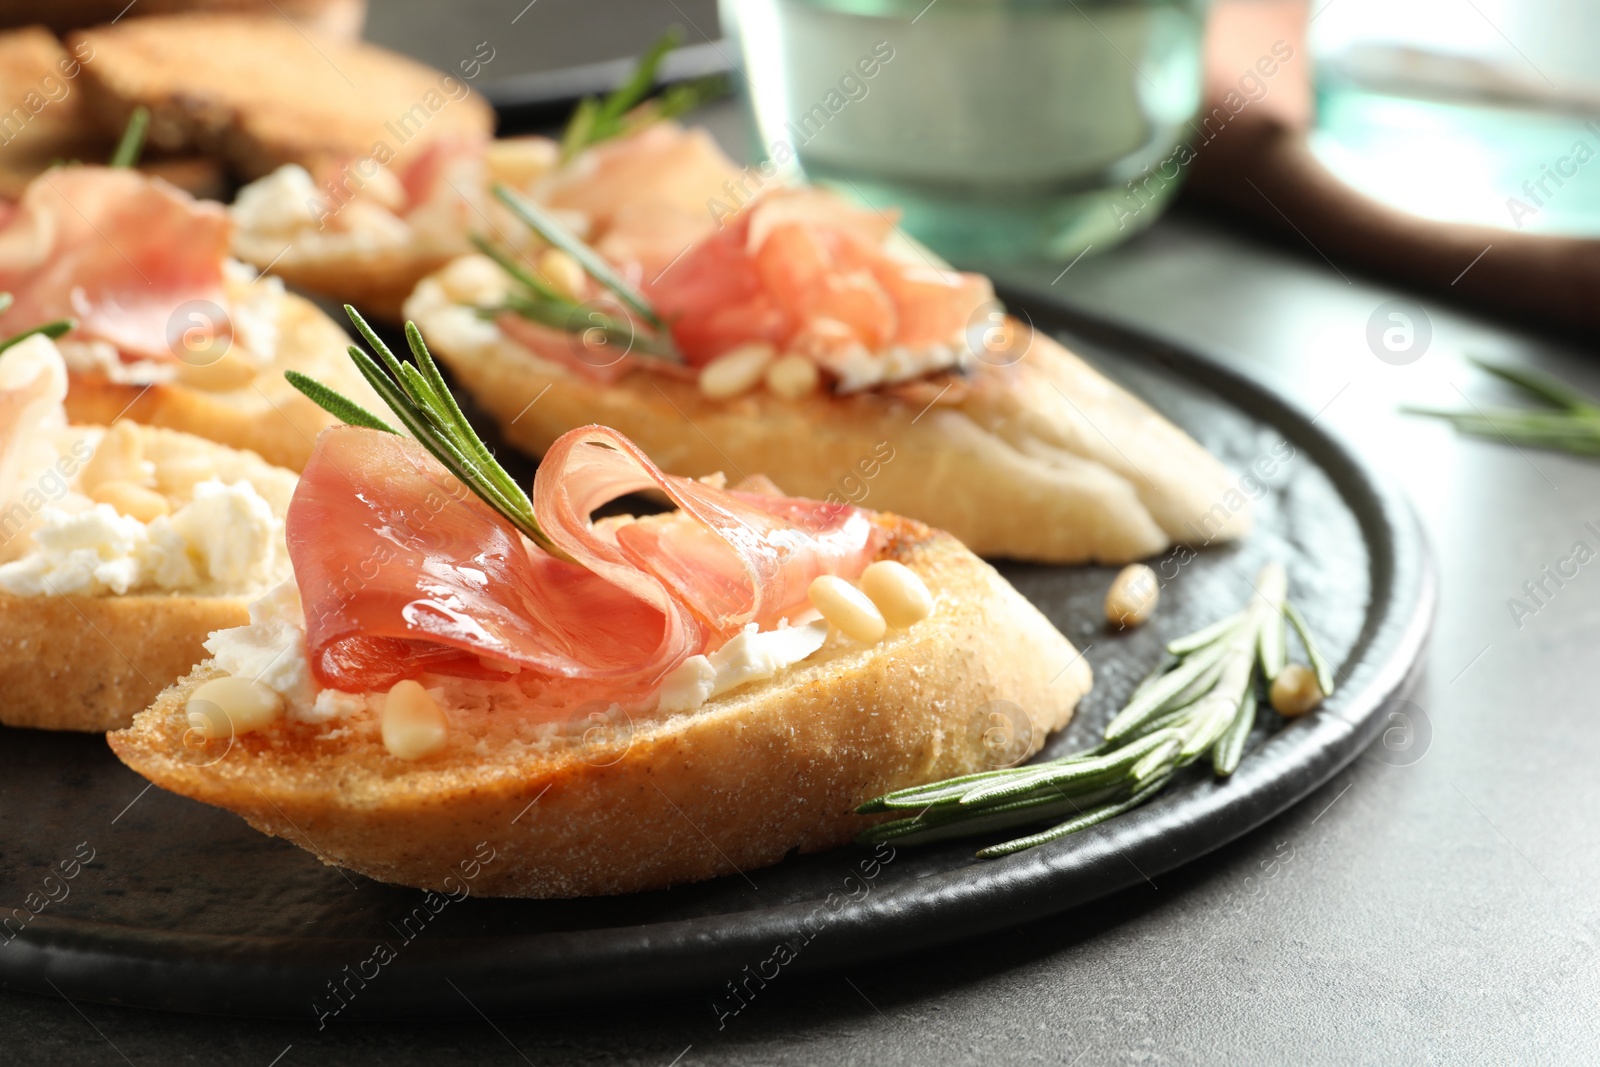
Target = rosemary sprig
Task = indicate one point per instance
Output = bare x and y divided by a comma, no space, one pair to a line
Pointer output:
417,394
131,146
1201,700
625,109
1569,421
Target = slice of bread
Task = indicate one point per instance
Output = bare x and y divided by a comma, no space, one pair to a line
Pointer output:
378,276
334,18
607,806
92,662
236,404
1034,455
259,91
44,119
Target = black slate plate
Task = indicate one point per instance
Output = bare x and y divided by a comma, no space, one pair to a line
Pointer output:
184,908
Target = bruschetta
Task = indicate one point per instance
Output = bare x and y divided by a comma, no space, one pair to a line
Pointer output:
122,548
629,703
806,338
168,329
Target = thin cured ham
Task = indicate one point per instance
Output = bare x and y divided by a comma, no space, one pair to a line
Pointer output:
33,384
804,271
115,250
402,572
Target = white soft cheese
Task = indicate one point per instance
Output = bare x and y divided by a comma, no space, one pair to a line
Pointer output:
255,307
281,203
225,540
272,650
750,656
860,369
452,321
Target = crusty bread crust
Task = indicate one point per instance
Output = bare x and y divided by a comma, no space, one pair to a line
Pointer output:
92,662
259,92
264,413
737,785
1038,459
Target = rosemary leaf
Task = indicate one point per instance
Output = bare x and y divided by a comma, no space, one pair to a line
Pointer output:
1539,385
1319,662
51,330
547,226
1230,747
527,278
336,404
131,146
643,78
1571,422
1082,822
1200,638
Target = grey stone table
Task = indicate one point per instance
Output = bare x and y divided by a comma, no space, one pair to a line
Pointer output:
1425,909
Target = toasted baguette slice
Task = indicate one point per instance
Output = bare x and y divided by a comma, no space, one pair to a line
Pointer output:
333,18
44,120
234,403
1040,459
377,274
738,784
92,662
259,91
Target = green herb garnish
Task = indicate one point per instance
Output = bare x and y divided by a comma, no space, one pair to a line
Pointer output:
51,330
1569,422
626,110
131,146
549,227
417,394
1202,700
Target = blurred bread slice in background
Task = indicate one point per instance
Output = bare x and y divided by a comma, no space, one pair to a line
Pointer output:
259,92
341,19
44,118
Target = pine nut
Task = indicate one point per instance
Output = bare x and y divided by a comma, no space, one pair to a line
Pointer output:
735,372
898,592
1295,691
178,475
118,457
230,706
847,609
793,376
134,501
474,280
413,724
1132,596
563,273
520,161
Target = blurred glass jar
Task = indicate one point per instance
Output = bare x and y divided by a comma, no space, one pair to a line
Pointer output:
1484,115
1004,130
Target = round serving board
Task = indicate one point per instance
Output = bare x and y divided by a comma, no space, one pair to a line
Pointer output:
183,907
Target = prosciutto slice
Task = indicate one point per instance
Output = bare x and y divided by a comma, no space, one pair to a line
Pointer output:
114,249
805,271
402,571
